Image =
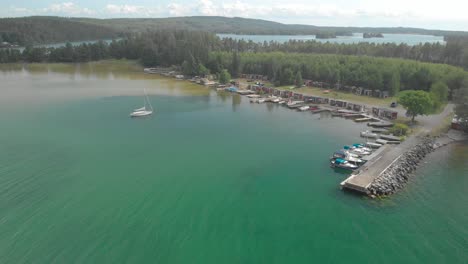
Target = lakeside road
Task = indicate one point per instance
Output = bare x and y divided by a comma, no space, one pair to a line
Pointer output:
384,158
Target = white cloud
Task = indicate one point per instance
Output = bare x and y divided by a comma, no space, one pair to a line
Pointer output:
415,13
207,8
68,8
178,9
132,10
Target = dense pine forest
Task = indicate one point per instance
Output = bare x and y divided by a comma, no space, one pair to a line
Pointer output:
454,52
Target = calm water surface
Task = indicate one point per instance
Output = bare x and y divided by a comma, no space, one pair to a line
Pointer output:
410,39
210,178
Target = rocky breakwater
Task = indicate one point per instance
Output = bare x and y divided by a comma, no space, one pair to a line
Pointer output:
397,174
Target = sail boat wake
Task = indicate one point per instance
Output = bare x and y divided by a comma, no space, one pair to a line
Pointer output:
143,111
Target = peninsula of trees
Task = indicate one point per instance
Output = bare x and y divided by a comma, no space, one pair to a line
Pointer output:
40,30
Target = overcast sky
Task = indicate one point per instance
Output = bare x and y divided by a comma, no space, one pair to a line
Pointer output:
447,14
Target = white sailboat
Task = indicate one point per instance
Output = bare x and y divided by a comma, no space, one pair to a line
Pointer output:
146,110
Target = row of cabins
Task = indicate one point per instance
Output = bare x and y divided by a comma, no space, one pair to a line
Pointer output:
362,91
350,89
380,112
326,85
254,77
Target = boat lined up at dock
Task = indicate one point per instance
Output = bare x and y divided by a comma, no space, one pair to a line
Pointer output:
355,155
304,108
294,104
373,145
343,164
357,151
368,134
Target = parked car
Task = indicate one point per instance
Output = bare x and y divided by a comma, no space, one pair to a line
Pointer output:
394,104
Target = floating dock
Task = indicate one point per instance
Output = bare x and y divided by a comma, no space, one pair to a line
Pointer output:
380,124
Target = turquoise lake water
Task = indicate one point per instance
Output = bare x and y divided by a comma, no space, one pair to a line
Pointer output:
410,39
210,178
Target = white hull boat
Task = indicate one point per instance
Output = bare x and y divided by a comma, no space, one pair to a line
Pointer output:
304,108
143,111
261,101
344,164
293,104
361,146
373,145
359,152
368,134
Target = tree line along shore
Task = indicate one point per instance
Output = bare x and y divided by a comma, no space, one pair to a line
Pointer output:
202,53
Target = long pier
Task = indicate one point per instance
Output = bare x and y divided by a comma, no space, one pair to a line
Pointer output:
377,163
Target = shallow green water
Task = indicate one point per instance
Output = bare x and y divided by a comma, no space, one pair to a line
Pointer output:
209,179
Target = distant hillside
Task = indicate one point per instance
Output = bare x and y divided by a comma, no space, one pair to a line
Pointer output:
209,24
36,30
238,25
58,29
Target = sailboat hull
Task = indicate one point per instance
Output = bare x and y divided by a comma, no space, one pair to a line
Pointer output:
141,113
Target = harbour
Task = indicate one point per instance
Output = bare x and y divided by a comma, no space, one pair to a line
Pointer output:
255,178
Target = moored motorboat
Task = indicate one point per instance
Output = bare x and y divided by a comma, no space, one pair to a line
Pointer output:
344,164
294,104
150,70
304,108
346,155
261,100
361,146
373,145
368,134
358,151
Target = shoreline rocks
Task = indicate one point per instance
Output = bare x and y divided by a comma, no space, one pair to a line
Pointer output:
397,175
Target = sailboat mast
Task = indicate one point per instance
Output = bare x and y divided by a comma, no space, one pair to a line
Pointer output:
147,100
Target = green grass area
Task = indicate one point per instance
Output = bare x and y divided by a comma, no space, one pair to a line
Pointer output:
342,96
385,102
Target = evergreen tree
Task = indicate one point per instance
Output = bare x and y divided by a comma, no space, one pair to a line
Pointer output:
394,85
235,65
299,82
224,77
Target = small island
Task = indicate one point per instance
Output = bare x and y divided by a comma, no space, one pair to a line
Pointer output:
372,35
325,35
